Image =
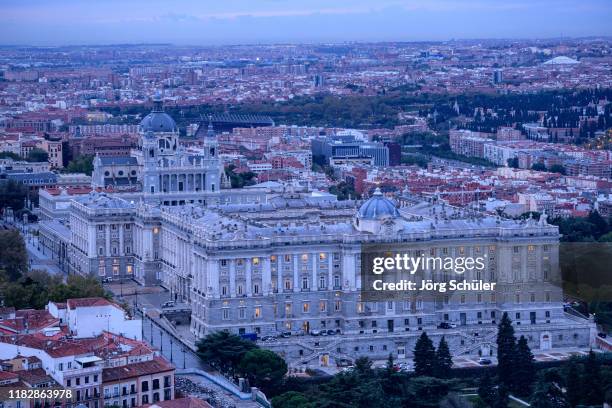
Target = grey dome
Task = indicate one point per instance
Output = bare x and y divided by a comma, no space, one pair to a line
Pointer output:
378,207
158,120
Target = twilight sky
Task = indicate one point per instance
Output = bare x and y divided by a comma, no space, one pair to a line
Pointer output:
205,22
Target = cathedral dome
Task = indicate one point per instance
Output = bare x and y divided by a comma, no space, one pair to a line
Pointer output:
158,120
378,207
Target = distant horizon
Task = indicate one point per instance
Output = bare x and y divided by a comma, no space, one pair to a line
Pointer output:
41,23
345,42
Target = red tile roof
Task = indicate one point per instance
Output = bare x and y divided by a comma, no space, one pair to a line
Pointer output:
88,302
7,375
188,402
107,345
157,365
28,320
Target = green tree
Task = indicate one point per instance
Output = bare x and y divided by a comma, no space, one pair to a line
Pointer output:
12,195
557,168
444,360
600,224
38,155
506,351
224,350
264,369
239,180
344,191
486,392
538,167
353,390
513,162
606,237
424,356
35,289
548,395
363,365
80,164
573,382
501,397
425,392
10,155
524,369
390,366
593,383
13,254
291,399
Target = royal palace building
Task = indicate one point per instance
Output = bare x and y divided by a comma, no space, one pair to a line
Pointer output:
273,262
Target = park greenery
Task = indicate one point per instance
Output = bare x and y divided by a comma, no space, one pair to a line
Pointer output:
240,180
80,164
237,357
383,110
592,228
23,288
419,147
35,155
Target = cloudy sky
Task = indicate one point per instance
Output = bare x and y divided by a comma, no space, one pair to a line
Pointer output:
56,22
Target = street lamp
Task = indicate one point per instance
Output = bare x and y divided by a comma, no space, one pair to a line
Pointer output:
183,350
161,340
171,348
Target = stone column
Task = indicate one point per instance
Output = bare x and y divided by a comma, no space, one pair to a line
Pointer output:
212,278
330,266
121,250
296,273
315,283
232,271
249,277
279,273
108,240
266,276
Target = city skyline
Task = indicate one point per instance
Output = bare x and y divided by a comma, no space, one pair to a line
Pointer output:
194,23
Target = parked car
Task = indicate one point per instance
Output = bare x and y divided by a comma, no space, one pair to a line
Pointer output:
446,325
484,361
315,332
107,280
285,334
169,303
331,332
602,335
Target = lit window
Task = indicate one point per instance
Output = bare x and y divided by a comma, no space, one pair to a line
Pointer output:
304,257
306,307
155,230
128,269
322,256
323,306
255,261
257,312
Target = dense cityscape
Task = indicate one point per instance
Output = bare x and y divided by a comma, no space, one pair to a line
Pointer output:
191,226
